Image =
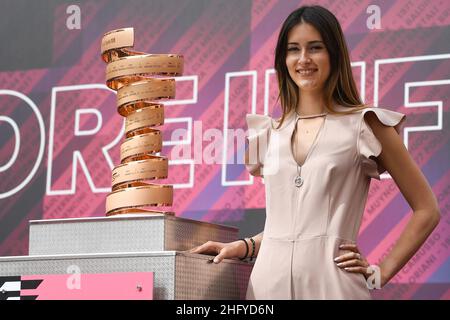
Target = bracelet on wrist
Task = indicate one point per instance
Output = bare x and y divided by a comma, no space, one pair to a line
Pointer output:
253,249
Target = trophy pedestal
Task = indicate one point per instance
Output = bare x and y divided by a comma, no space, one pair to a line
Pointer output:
123,233
135,243
176,275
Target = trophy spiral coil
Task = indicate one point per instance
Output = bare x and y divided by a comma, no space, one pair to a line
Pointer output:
134,75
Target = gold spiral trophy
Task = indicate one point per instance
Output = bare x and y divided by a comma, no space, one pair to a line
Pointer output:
133,238
134,75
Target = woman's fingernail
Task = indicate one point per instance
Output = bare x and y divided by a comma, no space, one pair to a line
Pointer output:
216,260
339,264
336,259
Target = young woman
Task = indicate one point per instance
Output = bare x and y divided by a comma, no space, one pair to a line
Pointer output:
317,168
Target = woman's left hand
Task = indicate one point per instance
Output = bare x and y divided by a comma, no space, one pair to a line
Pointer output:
352,261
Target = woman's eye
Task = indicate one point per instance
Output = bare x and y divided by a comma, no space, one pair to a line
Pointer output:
292,49
315,48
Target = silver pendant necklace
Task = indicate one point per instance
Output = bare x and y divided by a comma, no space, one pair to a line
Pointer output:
298,180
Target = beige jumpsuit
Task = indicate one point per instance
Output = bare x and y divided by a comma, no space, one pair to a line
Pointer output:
305,225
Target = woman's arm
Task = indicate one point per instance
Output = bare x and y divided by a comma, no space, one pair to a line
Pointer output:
256,172
230,250
258,239
417,192
235,249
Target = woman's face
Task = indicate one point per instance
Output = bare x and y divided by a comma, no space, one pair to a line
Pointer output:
307,58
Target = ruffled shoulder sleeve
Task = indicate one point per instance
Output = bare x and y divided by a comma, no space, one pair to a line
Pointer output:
259,127
368,145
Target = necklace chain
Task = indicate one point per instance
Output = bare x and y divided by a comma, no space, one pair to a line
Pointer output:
310,115
298,181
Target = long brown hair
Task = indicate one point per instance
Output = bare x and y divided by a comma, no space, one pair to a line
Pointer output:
340,86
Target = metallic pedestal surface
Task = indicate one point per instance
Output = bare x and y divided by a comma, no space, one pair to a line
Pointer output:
135,243
177,275
123,234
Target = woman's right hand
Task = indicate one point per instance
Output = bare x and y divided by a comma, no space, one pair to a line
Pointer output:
230,250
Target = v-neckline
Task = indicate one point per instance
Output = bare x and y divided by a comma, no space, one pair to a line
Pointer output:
313,145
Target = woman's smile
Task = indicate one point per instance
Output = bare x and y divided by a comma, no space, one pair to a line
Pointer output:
307,72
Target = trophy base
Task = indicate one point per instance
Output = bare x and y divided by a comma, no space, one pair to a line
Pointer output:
123,233
128,212
177,275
